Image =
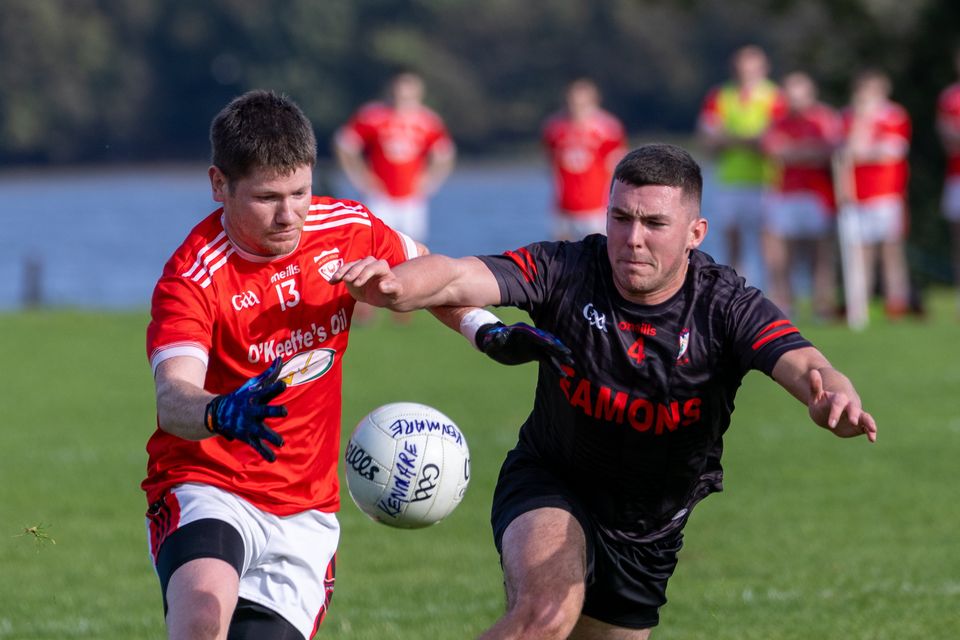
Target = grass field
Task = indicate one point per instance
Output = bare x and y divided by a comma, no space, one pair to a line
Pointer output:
814,537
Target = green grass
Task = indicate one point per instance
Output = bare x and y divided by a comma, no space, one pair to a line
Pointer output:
814,537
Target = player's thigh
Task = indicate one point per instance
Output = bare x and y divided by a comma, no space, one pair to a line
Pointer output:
951,199
201,592
544,557
592,629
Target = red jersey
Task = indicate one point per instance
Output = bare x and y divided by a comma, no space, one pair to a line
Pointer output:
237,313
397,144
891,124
583,155
818,128
948,110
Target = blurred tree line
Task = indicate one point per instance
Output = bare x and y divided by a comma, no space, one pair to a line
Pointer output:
132,80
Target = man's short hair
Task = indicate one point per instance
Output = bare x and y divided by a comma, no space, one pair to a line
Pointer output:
261,130
662,165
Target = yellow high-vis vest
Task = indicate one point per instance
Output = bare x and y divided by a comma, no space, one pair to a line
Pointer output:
749,118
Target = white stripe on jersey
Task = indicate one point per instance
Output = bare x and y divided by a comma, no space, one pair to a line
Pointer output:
336,205
326,216
217,265
409,246
191,349
207,247
337,223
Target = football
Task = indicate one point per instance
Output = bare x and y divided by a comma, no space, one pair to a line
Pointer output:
407,465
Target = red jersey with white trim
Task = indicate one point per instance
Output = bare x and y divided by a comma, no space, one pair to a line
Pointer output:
875,179
238,313
817,128
397,144
948,110
584,155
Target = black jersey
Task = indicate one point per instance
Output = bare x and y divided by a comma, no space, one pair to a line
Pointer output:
636,429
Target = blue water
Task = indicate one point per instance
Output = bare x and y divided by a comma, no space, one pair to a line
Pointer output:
101,237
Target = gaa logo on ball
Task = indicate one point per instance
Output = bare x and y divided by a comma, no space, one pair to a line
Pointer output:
407,465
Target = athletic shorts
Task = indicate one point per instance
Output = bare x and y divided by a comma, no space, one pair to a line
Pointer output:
951,199
881,219
406,215
567,226
626,581
736,206
286,564
797,216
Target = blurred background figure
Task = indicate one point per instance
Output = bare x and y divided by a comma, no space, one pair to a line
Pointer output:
584,143
732,121
877,139
800,209
397,153
948,126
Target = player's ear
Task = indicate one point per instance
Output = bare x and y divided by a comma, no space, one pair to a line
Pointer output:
218,183
698,231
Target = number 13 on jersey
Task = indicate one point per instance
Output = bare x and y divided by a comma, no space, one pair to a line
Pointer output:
288,294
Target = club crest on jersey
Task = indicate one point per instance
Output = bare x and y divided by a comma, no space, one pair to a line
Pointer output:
595,318
328,262
684,343
306,367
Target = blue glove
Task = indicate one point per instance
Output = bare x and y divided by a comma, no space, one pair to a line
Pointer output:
519,343
240,414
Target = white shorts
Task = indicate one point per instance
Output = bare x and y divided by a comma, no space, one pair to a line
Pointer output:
797,215
567,226
738,207
881,219
406,215
951,199
288,561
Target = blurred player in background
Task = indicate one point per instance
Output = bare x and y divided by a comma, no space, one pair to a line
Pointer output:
624,441
732,122
800,208
584,143
948,126
243,534
874,156
397,153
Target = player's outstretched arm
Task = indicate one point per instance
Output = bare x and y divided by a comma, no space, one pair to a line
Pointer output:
185,410
428,281
831,399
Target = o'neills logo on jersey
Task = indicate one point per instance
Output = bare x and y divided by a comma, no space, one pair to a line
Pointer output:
244,300
643,328
643,415
288,272
328,262
308,366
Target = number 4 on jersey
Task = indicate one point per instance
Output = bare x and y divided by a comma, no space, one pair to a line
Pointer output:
636,351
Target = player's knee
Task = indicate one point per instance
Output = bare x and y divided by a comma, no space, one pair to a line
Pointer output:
204,617
546,616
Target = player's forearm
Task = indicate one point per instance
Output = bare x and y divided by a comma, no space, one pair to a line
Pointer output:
180,409
439,170
429,281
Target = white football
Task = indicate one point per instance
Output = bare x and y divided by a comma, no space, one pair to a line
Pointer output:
407,465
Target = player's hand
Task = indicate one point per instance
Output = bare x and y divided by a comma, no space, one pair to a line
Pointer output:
240,414
519,343
369,280
839,412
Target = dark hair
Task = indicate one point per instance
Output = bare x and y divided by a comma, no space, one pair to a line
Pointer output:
661,164
261,129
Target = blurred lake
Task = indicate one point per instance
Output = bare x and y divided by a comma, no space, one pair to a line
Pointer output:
101,237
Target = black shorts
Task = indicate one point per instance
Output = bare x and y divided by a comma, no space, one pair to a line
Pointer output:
626,581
